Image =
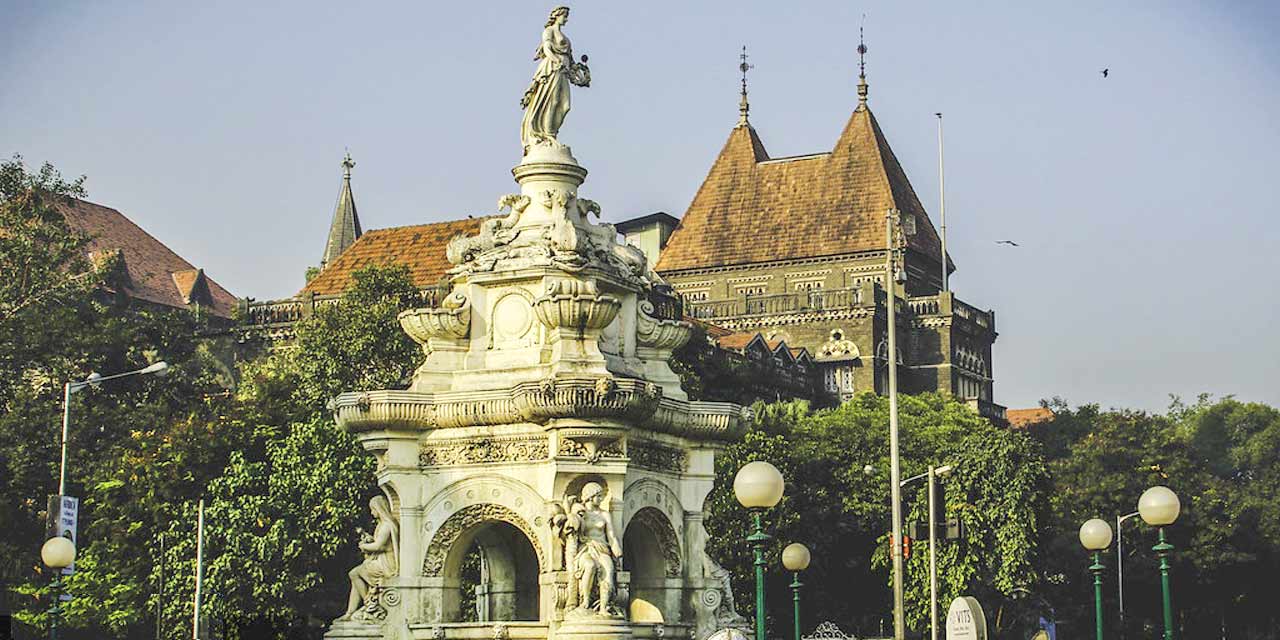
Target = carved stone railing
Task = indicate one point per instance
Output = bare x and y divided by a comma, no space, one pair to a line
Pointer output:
983,319
924,305
774,303
274,319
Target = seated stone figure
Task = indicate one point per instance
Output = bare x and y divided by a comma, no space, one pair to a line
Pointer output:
381,559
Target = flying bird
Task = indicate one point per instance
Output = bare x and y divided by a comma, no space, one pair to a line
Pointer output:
1008,242
1105,72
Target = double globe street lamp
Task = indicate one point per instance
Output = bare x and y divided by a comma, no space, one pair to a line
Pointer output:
758,486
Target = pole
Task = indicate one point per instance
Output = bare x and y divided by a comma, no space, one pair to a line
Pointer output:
1163,551
758,540
942,212
795,594
933,558
66,420
1120,569
55,613
160,594
895,489
1097,570
195,616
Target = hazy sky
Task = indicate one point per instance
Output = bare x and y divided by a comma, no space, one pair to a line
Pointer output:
1145,203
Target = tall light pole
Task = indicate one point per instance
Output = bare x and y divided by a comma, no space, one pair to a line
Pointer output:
942,205
1120,564
933,474
759,486
1095,535
893,230
94,379
1159,507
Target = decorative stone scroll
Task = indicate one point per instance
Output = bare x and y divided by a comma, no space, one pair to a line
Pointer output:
657,457
482,450
466,518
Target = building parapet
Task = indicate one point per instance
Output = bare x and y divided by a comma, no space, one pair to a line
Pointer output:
750,305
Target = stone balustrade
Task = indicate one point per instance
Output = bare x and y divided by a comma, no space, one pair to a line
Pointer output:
832,300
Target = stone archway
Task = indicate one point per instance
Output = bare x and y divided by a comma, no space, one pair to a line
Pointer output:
651,552
510,560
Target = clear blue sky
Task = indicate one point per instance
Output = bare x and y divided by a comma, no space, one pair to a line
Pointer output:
1145,203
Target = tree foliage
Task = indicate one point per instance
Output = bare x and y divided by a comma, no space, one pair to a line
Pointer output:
842,513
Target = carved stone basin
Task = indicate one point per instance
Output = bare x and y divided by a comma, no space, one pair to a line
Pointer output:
450,321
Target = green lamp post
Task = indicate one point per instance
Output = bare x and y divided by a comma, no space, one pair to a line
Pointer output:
57,553
1159,507
758,486
1095,535
795,558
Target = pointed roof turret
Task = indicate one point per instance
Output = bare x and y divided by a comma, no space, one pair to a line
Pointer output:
744,107
345,228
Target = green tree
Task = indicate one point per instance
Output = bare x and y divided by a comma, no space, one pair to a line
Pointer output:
281,517
842,514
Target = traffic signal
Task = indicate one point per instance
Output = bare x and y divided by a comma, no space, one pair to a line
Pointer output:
906,547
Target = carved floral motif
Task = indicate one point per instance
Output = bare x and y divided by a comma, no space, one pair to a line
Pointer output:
658,457
483,450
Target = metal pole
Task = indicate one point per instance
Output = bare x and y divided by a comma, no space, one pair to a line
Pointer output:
1163,551
895,489
66,420
758,540
1097,570
55,613
933,561
795,591
942,209
1120,570
160,594
195,616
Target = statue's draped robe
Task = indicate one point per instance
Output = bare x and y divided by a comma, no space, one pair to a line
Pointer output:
546,102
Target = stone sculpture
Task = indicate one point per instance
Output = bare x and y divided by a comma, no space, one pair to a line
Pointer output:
381,561
591,552
546,101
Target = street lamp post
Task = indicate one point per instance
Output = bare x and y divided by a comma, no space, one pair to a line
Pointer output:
894,224
759,486
94,379
57,553
1095,535
932,475
795,558
1159,507
1120,565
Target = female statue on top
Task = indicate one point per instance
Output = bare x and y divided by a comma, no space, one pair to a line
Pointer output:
546,101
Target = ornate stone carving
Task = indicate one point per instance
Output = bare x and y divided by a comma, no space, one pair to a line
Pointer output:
662,335
591,551
546,101
483,450
582,448
657,523
586,397
467,517
575,304
368,601
657,457
838,347
450,321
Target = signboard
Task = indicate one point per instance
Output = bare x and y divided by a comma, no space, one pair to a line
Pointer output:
965,620
63,515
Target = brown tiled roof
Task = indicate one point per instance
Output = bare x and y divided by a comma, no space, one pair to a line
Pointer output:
736,341
420,247
754,209
152,271
1023,418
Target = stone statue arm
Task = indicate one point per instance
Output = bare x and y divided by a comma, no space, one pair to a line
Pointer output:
381,540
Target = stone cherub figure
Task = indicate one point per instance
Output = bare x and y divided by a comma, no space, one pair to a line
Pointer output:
546,101
381,551
591,551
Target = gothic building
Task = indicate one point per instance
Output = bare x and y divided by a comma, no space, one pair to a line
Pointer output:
795,248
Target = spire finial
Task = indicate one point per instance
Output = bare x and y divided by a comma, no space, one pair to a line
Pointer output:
862,67
743,106
347,164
